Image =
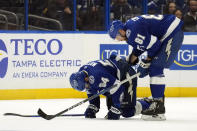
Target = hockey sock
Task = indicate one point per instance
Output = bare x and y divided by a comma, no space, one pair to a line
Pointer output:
157,82
157,90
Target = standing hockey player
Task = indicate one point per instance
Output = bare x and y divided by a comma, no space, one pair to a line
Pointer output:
161,37
98,75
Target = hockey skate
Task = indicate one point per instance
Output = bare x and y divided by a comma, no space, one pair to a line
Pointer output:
156,111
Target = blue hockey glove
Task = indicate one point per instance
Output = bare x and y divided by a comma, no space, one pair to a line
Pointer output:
91,111
113,114
143,68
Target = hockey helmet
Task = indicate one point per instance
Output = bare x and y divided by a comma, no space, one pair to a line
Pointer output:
77,80
114,28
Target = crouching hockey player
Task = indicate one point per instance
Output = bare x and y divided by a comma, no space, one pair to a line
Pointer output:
161,37
98,75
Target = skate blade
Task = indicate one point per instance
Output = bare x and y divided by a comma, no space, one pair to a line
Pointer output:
158,117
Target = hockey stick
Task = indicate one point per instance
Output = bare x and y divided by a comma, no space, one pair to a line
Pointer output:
49,117
19,115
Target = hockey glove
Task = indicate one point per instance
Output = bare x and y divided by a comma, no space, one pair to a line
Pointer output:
113,114
143,68
91,111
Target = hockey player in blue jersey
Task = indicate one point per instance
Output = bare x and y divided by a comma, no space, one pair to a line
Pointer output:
101,74
161,37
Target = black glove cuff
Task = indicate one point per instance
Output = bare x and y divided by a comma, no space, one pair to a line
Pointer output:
94,108
115,110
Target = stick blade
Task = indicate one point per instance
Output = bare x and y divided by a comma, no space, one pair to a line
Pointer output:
14,114
44,115
11,114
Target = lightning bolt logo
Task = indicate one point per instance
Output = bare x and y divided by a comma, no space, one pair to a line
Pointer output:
168,49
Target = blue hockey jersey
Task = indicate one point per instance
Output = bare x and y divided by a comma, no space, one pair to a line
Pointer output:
103,74
149,32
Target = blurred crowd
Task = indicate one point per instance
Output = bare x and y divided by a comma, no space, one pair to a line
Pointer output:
183,9
90,14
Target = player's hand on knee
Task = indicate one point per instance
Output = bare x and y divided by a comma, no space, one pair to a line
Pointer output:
91,111
143,68
113,114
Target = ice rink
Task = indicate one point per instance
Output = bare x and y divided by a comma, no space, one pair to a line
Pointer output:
181,115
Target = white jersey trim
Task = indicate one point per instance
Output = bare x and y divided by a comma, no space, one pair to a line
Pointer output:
113,90
153,39
171,28
157,80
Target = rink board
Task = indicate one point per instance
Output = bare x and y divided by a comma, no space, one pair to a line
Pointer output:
61,93
38,65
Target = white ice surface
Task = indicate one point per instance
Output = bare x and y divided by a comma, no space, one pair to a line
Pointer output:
181,115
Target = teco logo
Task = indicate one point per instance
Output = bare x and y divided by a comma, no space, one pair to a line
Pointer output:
3,59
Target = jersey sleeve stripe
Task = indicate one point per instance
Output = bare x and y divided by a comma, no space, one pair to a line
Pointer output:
153,39
113,90
171,28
